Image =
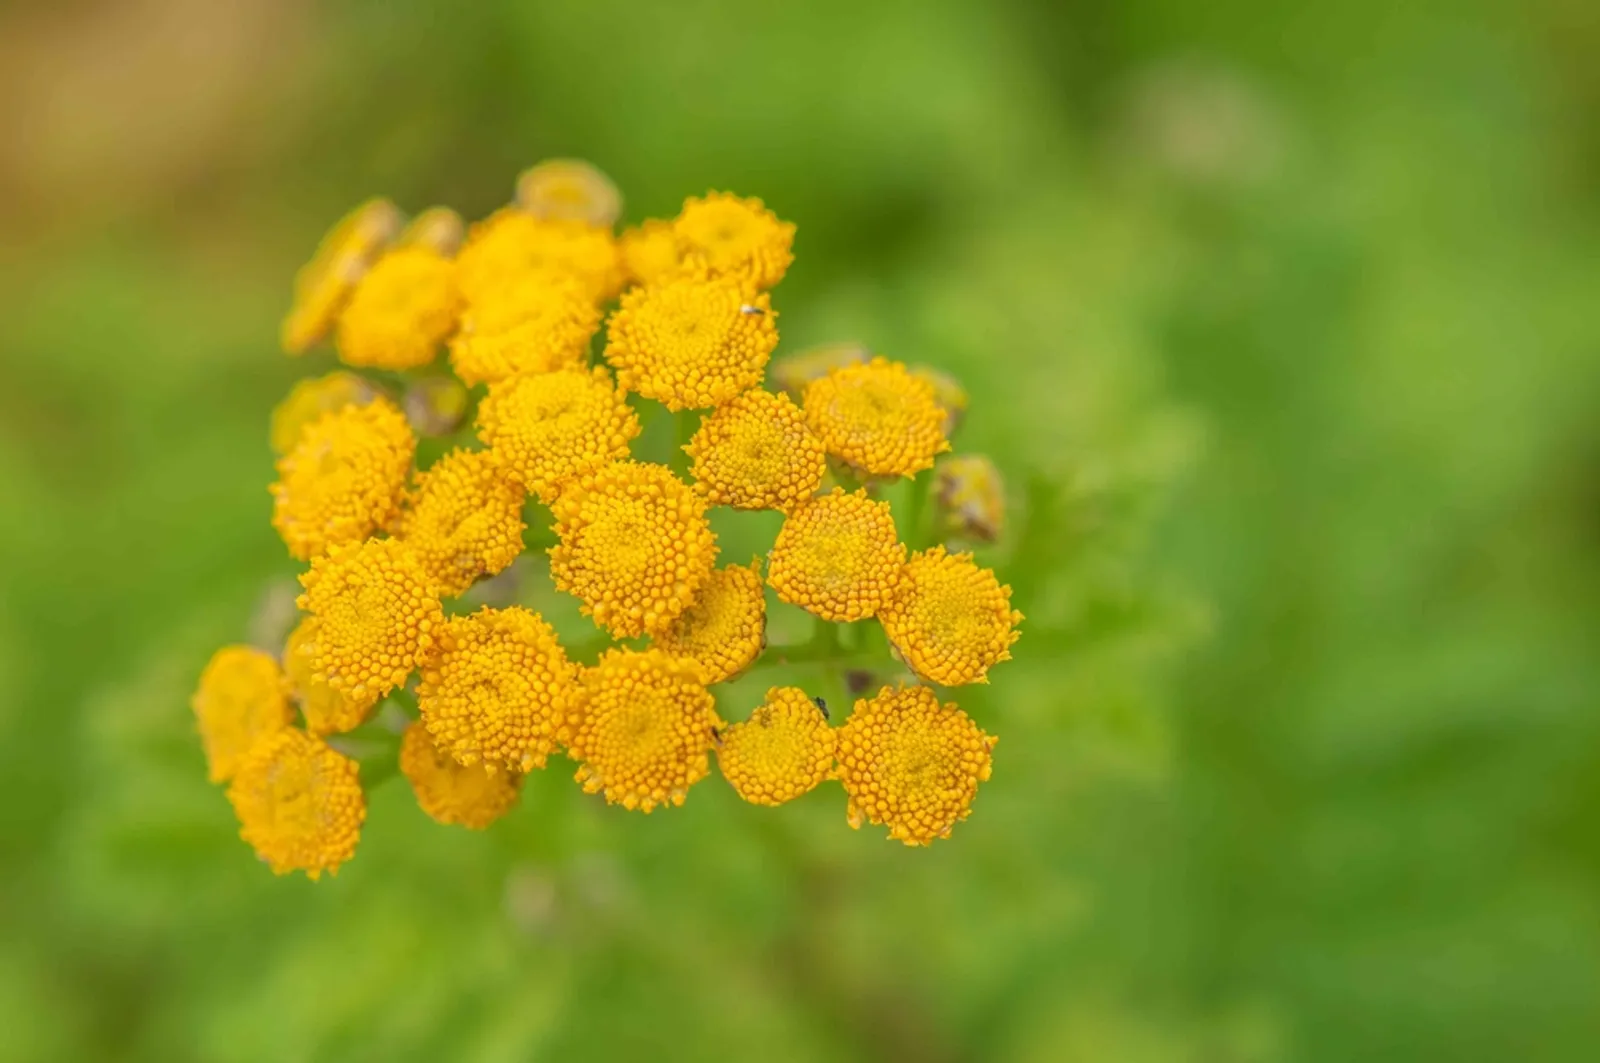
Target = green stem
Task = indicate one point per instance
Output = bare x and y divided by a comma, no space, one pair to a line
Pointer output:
915,512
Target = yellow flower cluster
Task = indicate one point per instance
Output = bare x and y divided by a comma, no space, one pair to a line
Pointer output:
527,424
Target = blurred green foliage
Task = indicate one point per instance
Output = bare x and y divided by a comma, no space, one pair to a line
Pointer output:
1281,320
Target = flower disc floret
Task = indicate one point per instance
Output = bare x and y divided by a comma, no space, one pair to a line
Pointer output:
837,556
950,620
241,698
498,692
725,628
404,307
312,397
635,547
344,478
571,190
692,341
325,710
531,323
451,792
551,428
782,751
736,237
324,284
512,241
463,520
757,453
911,764
650,252
377,616
644,730
878,418
299,803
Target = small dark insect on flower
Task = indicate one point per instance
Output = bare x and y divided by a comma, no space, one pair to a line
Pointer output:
822,707
716,735
748,309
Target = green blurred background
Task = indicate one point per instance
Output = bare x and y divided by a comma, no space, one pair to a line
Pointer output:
1281,320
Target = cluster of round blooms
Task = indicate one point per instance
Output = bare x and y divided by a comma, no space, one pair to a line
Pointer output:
537,439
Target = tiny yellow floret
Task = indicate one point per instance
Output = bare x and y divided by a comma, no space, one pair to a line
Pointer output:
782,751
512,241
326,710
736,237
911,764
645,727
757,453
299,803
451,792
312,397
324,284
878,418
650,251
531,323
725,629
569,190
241,698
463,520
950,620
837,556
550,428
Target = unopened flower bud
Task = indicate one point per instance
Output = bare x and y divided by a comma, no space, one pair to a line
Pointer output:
793,372
971,498
439,229
436,405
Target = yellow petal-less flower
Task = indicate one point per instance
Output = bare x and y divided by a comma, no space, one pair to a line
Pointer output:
950,620
401,311
439,229
971,497
241,698
344,478
326,710
569,190
531,323
793,373
782,751
312,397
299,804
911,764
512,241
736,237
324,284
644,731
463,520
635,547
650,251
451,792
757,453
878,418
377,617
551,428
725,628
837,556
498,692
692,340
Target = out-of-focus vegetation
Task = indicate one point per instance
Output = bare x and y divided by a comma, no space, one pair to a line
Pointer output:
1282,320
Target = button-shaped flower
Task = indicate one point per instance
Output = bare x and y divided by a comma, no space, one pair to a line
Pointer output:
403,309
736,237
451,792
782,751
837,556
878,418
324,284
326,710
512,241
312,397
530,323
757,453
650,252
569,190
463,520
240,699
551,428
299,803
950,620
725,628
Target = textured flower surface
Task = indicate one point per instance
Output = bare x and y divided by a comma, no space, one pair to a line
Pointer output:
725,628
326,710
299,803
377,617
497,693
401,312
463,520
911,764
324,284
650,251
553,427
344,478
691,341
950,620
512,241
569,190
240,699
793,373
310,399
451,792
736,237
878,418
532,323
757,453
782,751
645,727
838,556
635,547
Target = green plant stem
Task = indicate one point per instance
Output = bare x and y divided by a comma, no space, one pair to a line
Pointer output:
916,511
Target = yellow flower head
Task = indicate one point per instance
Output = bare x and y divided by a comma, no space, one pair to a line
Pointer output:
452,792
377,617
911,764
240,699
757,453
692,340
324,284
401,311
650,251
512,241
793,373
971,497
635,546
947,392
837,556
950,619
645,724
312,397
878,418
737,237
725,628
552,428
498,692
463,520
344,477
438,229
299,804
569,190
325,709
782,751
530,323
